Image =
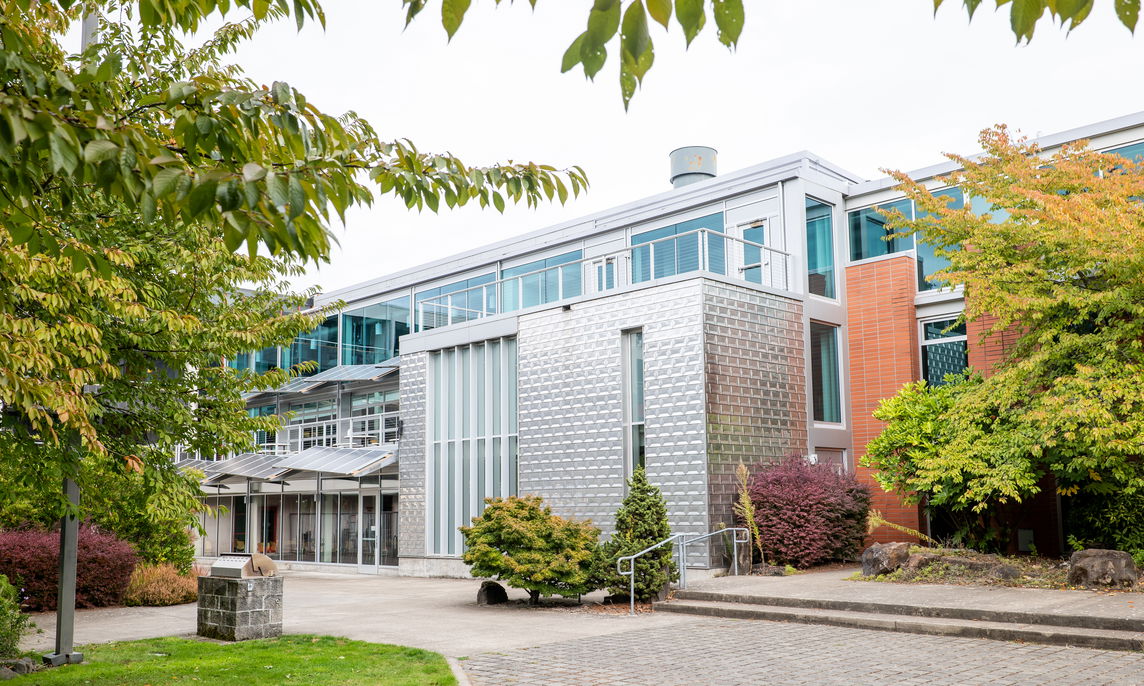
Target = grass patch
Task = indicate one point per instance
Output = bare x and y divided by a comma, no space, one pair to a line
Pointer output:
298,659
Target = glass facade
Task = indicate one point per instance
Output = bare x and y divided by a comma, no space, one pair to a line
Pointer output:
944,350
1133,152
868,231
656,254
633,356
819,248
929,262
825,386
313,423
319,345
375,417
259,362
473,436
264,441
460,301
370,334
542,281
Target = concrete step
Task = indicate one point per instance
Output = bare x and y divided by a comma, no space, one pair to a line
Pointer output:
1105,639
1063,619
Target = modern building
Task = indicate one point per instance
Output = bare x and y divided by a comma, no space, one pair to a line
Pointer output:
745,317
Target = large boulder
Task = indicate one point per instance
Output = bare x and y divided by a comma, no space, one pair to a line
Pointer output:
1102,568
491,593
883,558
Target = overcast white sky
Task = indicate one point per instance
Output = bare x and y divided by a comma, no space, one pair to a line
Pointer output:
864,83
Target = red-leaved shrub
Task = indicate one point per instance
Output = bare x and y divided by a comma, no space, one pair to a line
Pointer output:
808,514
103,567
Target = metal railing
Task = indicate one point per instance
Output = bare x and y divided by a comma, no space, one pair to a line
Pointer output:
701,250
680,542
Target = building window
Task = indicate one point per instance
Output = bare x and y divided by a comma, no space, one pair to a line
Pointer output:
370,334
473,432
633,362
541,282
312,424
264,441
1133,152
460,301
929,262
375,417
820,248
825,391
319,345
868,231
944,350
677,249
835,458
604,270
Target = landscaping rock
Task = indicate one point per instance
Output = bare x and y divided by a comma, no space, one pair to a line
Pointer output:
883,558
491,593
6,674
921,560
23,665
1005,572
1102,568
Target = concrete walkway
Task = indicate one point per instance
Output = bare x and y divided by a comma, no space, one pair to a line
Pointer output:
435,614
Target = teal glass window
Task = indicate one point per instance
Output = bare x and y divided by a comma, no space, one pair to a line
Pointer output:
868,231
1134,152
675,249
260,361
319,345
371,334
826,395
633,356
753,254
929,262
980,206
944,350
819,248
460,301
541,281
263,439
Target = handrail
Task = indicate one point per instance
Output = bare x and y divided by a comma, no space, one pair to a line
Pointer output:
631,573
734,549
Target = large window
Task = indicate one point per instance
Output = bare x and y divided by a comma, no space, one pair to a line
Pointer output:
542,281
473,430
944,350
319,345
868,232
826,396
312,424
1134,152
460,301
260,361
820,248
929,262
633,361
375,417
264,441
370,334
676,249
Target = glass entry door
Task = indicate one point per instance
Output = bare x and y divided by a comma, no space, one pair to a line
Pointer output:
369,531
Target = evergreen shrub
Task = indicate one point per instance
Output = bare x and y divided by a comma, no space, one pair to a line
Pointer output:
103,566
809,514
641,521
519,541
1114,521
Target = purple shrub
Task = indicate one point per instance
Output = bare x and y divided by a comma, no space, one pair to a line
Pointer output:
103,568
808,514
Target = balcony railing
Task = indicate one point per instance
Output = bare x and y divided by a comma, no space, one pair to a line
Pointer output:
702,250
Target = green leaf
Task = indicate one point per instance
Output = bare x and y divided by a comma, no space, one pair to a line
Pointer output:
660,10
297,197
64,156
165,181
593,59
202,196
252,171
970,5
1128,11
572,54
603,22
634,39
260,8
729,18
690,15
498,202
452,14
1023,17
99,150
276,189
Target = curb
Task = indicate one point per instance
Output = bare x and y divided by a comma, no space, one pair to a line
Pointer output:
458,671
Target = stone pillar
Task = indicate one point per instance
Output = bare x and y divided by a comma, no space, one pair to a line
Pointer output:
240,609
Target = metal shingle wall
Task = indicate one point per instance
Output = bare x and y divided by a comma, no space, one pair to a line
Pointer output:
756,385
411,456
571,403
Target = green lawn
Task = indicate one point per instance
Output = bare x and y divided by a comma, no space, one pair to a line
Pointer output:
317,660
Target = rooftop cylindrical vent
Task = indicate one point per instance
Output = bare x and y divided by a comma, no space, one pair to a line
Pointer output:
691,164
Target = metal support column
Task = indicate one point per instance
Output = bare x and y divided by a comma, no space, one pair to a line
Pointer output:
65,603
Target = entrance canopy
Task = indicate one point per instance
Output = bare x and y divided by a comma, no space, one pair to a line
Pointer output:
253,465
347,461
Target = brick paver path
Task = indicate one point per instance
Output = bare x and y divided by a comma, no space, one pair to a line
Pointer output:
725,652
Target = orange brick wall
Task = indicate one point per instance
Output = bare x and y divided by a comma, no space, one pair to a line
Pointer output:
883,340
984,356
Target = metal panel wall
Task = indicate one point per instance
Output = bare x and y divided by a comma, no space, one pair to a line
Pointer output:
571,403
411,456
756,385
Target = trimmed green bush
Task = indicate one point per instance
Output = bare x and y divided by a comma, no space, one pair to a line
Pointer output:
519,541
13,623
640,522
159,585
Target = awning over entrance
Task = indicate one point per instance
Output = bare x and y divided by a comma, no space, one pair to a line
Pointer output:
253,465
347,461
